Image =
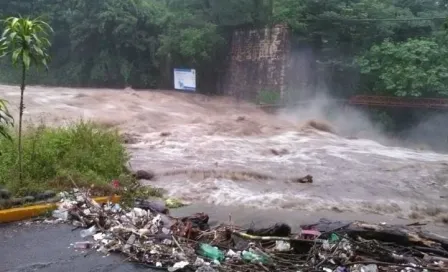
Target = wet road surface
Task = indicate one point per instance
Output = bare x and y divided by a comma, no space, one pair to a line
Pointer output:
43,247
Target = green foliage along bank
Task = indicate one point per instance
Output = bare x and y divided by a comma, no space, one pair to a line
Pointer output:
417,67
84,152
118,43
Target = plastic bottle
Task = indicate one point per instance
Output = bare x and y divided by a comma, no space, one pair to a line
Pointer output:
88,232
253,257
334,238
211,252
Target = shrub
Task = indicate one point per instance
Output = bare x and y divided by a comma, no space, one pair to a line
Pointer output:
269,97
84,152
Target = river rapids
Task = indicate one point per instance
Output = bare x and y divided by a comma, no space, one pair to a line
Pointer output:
218,151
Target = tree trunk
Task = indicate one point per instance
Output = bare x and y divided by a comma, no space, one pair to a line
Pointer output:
21,108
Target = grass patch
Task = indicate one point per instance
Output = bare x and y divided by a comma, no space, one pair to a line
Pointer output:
268,97
84,152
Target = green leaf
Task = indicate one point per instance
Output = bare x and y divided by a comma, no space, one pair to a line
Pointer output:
36,39
26,59
15,55
5,32
12,35
14,22
4,133
38,50
27,39
44,62
5,120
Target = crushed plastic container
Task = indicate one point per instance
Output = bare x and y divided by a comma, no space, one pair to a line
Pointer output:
88,232
334,238
369,268
60,214
253,257
341,269
116,208
211,252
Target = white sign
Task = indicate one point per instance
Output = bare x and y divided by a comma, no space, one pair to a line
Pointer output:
185,79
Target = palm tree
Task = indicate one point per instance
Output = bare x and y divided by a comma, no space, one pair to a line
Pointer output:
26,40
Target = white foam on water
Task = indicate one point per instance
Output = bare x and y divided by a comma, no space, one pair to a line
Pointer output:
218,134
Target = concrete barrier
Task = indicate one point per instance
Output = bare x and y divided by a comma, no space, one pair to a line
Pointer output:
24,213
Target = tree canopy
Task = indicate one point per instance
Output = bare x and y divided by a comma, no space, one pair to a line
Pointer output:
381,46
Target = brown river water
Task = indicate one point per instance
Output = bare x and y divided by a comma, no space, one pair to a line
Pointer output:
227,154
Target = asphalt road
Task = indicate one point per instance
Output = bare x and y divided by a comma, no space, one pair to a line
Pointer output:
46,247
43,247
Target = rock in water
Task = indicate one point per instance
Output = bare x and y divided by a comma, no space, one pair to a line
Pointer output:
320,125
29,198
143,174
5,194
129,138
45,195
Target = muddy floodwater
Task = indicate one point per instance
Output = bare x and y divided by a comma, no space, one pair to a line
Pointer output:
217,151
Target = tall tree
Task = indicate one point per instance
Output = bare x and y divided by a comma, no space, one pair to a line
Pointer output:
26,41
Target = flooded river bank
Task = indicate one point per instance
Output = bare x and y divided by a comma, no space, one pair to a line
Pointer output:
217,151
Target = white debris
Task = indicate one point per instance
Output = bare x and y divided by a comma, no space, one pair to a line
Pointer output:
326,245
60,214
166,231
88,232
199,262
139,212
369,268
232,254
282,246
99,236
178,265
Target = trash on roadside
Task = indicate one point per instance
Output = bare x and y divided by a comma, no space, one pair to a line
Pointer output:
178,266
210,252
153,206
282,246
310,234
88,232
83,245
148,234
58,214
369,268
253,257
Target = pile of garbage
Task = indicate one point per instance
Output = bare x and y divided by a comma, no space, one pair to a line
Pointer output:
147,234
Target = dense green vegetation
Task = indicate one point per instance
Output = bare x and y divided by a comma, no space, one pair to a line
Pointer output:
84,152
357,45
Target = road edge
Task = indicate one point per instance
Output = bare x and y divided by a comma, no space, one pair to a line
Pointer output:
24,213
